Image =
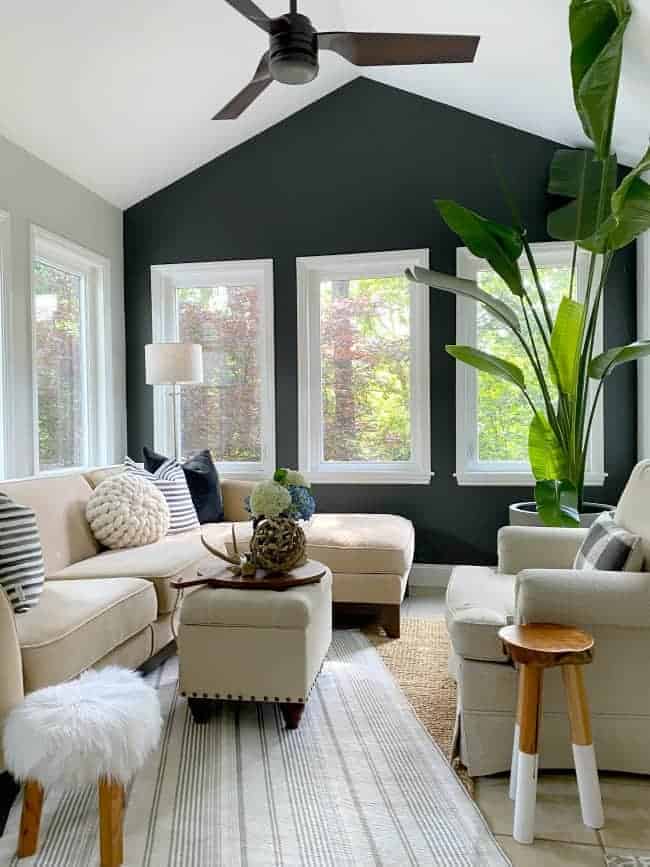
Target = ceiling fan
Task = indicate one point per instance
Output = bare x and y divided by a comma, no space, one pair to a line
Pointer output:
294,44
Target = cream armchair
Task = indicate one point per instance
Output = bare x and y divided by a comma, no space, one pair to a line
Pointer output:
535,582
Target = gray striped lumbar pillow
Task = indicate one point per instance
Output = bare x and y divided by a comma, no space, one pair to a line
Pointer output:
609,548
22,571
169,478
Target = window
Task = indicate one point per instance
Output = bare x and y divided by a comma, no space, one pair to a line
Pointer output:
227,307
363,355
69,364
492,420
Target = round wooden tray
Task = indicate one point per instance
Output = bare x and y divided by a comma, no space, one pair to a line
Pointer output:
219,576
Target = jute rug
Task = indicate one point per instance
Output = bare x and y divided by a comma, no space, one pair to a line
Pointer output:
360,783
418,662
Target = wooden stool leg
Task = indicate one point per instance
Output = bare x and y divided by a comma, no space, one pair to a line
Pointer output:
527,760
111,814
584,755
515,742
30,819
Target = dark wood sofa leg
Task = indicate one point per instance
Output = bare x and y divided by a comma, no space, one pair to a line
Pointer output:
292,713
389,618
201,709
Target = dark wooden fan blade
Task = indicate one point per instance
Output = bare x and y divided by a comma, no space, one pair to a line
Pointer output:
249,10
248,94
399,49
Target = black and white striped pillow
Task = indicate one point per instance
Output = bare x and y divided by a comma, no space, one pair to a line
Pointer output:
22,571
610,548
169,478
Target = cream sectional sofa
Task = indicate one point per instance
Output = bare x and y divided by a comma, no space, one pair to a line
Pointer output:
116,607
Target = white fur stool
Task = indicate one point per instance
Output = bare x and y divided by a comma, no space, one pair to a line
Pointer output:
96,730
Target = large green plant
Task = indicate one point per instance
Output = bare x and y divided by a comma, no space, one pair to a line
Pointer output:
600,218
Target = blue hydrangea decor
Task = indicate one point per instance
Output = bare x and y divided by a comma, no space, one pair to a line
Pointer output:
269,498
303,504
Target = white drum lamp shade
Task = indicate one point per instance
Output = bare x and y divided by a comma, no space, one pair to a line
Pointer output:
173,363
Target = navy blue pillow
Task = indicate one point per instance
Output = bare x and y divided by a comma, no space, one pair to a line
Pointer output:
202,480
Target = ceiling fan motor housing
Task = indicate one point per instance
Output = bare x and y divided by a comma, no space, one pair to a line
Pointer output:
293,56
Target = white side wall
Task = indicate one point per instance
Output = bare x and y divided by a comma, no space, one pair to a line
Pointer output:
35,193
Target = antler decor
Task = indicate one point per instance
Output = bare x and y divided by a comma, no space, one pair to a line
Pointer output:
278,544
240,564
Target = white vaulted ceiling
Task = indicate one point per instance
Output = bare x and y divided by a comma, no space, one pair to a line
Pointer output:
119,95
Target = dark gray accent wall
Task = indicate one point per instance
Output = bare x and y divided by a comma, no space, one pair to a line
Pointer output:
358,171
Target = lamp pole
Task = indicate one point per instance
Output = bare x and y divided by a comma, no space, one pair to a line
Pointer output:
175,407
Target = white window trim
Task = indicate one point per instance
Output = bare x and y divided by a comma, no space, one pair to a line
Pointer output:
470,471
96,362
310,271
6,416
643,332
165,279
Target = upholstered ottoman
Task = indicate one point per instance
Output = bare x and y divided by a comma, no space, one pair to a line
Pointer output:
254,645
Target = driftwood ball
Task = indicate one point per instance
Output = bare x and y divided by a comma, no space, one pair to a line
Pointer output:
278,545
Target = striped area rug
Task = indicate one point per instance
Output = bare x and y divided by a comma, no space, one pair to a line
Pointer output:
359,783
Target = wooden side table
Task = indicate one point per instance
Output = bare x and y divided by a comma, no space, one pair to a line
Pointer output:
533,648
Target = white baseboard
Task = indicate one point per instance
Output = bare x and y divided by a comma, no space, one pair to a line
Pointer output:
430,574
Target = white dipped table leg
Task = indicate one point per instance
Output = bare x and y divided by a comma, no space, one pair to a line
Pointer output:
515,743
588,785
584,755
514,764
526,798
529,703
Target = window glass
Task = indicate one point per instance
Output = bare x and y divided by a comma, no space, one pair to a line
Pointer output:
60,379
503,415
365,340
225,412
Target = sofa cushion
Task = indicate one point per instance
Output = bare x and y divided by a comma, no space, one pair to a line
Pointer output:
77,623
22,571
98,475
609,548
170,481
174,557
60,506
202,479
366,544
479,602
234,493
632,512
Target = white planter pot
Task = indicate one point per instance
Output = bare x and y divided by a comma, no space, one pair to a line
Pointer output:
525,514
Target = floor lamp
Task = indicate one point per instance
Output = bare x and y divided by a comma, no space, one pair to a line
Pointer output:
173,364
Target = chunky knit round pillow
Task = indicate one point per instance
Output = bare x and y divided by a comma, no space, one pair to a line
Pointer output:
125,512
